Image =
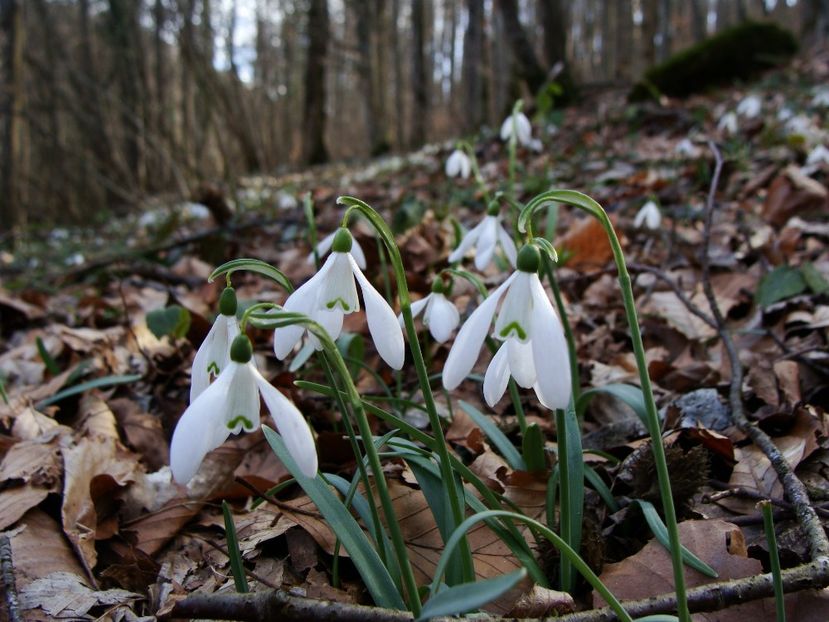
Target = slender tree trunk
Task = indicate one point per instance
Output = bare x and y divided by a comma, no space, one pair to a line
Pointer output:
11,25
473,69
420,87
314,151
399,102
699,19
375,125
648,31
528,68
624,40
665,34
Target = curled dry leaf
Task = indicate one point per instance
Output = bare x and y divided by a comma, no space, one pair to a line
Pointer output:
63,595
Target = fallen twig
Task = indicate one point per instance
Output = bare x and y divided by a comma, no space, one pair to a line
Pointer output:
9,585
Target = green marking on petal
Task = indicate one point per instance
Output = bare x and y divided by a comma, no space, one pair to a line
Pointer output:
513,326
214,368
246,423
338,301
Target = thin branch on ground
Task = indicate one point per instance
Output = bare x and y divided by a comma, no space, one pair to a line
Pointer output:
9,585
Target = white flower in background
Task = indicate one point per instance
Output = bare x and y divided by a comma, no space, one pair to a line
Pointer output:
686,148
75,259
536,145
821,98
440,316
728,123
818,155
230,405
331,293
518,125
213,354
799,125
324,245
458,164
784,114
648,216
484,237
750,107
534,350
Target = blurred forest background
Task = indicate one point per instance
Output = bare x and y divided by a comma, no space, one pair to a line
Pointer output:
107,102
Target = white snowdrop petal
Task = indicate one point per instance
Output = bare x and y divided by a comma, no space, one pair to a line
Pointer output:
382,322
453,164
486,243
358,254
506,128
292,426
471,337
524,129
301,301
508,245
496,377
443,318
331,321
466,166
338,289
521,365
208,354
243,402
467,242
418,306
196,431
514,319
550,355
323,246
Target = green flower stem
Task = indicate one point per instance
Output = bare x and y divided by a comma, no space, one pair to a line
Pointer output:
393,523
584,202
774,559
565,323
447,475
546,532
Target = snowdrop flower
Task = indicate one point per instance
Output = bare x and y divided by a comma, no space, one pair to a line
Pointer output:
330,294
458,163
534,350
231,404
728,123
818,155
439,314
821,98
484,237
784,114
520,129
686,148
648,217
213,354
799,125
324,245
750,107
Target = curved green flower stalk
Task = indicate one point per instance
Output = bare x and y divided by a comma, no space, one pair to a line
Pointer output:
280,319
584,202
447,475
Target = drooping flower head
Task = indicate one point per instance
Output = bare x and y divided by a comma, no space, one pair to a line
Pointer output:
439,314
518,126
484,238
728,123
324,245
533,348
330,294
213,354
750,106
458,164
230,405
648,217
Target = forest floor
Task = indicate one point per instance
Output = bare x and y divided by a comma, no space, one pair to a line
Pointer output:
91,395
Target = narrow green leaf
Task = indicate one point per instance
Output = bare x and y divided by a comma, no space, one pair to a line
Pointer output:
301,357
3,393
660,532
470,596
628,393
173,321
377,579
658,617
253,265
498,438
97,383
533,448
571,483
237,567
545,245
595,480
51,365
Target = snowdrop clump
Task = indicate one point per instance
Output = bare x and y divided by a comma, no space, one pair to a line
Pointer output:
458,164
648,217
533,350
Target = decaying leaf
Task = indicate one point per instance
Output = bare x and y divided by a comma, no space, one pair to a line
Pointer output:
65,596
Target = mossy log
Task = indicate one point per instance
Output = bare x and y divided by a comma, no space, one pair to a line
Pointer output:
737,53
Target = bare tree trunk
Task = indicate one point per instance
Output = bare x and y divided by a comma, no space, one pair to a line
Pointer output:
528,68
314,151
624,40
814,20
399,103
420,87
554,18
665,34
648,31
375,125
699,19
11,26
473,69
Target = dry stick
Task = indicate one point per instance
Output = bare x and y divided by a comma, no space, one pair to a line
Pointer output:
794,488
9,585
